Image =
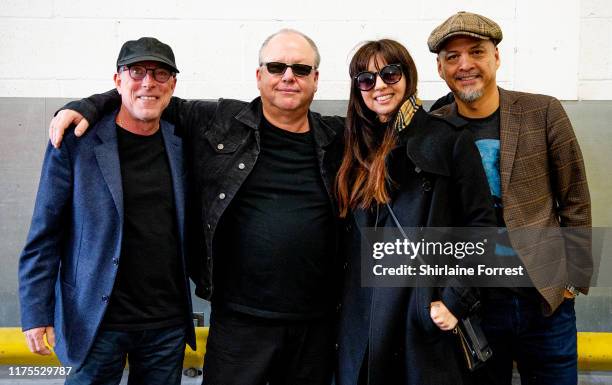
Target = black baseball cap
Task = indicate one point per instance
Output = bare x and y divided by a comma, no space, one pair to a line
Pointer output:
146,49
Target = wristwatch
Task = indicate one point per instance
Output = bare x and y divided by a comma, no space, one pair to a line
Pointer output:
572,290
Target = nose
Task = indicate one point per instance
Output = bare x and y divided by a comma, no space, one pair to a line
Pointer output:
465,63
288,76
148,80
380,84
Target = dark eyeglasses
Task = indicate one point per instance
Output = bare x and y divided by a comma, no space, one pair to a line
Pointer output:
390,74
277,68
160,74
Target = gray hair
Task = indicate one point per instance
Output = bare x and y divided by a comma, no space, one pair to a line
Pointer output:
317,59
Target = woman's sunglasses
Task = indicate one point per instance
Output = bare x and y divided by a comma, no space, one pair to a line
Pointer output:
390,74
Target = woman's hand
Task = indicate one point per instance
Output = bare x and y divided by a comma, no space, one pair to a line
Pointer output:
441,316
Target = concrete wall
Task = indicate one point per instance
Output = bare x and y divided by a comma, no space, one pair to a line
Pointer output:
54,49
24,137
67,48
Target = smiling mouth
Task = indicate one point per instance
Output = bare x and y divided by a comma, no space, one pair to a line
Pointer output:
383,98
147,98
467,78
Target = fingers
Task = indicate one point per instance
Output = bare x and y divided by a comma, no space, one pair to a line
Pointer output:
35,341
81,127
52,135
62,121
50,336
441,316
56,129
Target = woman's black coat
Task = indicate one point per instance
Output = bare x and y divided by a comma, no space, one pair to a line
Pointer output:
441,183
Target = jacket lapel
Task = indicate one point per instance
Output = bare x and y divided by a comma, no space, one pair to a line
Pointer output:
107,156
174,149
510,125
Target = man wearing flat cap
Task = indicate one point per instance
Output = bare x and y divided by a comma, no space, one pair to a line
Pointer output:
537,180
102,275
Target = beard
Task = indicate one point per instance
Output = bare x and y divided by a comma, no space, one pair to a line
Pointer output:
469,96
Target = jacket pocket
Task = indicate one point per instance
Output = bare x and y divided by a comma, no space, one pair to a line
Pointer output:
420,302
221,144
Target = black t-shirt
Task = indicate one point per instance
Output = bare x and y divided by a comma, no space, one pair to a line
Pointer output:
273,248
149,290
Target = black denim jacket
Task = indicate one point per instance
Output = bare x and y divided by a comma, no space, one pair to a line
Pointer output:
222,144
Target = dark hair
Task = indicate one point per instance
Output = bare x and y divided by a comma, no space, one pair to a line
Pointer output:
362,178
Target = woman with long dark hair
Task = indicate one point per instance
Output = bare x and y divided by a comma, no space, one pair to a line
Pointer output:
401,161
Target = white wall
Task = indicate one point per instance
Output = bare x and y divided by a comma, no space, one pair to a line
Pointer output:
68,48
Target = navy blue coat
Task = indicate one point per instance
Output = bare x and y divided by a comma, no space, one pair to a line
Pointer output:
387,333
68,266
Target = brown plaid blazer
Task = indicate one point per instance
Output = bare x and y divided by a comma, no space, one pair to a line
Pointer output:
544,185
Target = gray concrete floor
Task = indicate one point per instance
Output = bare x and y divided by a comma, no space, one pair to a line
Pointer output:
5,379
586,378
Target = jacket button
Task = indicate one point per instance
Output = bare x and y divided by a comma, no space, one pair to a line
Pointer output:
417,170
427,185
222,196
115,261
208,225
105,298
336,346
241,166
220,146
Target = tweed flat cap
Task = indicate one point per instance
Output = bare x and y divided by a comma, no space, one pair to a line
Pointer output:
464,23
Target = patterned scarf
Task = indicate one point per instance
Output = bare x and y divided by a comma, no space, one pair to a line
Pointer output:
406,112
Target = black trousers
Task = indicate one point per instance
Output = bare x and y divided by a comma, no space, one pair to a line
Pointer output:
245,350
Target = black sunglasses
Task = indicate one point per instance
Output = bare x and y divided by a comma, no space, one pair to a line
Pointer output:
390,74
277,68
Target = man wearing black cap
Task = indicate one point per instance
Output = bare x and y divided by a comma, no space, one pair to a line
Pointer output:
102,275
265,174
537,179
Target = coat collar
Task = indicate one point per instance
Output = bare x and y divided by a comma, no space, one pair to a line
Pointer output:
252,114
107,156
510,125
418,146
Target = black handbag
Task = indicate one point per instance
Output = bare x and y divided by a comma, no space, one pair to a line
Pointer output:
472,340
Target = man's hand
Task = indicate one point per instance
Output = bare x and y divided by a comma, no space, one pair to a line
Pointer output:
441,316
36,342
62,121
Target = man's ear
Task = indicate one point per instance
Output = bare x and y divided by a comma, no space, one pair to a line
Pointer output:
497,61
117,80
258,77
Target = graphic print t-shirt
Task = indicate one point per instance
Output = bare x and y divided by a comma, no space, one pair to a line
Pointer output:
486,136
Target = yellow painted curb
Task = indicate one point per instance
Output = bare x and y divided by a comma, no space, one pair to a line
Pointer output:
14,350
594,351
